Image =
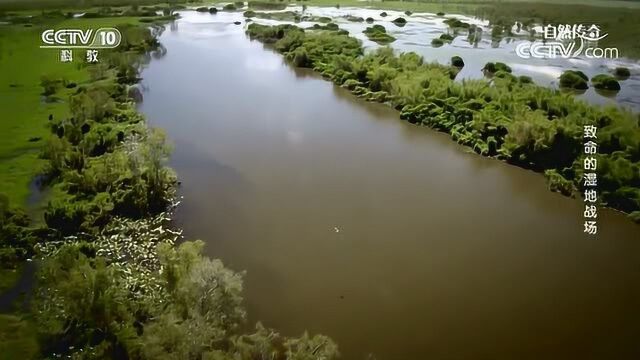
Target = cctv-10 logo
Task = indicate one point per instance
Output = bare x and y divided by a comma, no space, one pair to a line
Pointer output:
103,38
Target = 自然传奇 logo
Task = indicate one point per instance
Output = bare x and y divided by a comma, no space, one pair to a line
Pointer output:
103,38
567,41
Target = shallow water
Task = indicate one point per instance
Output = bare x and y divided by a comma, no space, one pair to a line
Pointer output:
390,238
421,28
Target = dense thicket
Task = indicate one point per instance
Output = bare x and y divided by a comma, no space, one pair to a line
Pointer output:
507,117
111,283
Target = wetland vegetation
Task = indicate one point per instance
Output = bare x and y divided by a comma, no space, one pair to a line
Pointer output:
111,281
116,280
508,117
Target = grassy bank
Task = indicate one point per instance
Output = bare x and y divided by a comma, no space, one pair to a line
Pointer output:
111,282
25,113
507,117
26,110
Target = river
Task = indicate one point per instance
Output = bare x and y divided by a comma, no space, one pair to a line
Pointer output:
390,238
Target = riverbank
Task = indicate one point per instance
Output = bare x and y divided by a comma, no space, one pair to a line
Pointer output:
332,204
111,283
509,117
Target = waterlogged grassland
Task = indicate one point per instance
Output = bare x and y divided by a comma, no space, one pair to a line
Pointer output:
25,111
16,338
620,23
508,117
424,3
110,282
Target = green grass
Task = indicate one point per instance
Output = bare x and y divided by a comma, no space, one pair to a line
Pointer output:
25,115
17,338
8,278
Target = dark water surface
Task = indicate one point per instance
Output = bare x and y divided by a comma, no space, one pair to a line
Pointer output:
392,239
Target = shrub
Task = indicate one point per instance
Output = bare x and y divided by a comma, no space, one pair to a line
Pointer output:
354,18
455,23
573,79
301,57
557,183
399,21
263,5
446,37
523,79
605,82
437,42
229,7
383,14
622,73
457,61
492,67
378,34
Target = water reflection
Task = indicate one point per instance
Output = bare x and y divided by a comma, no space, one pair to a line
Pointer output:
440,253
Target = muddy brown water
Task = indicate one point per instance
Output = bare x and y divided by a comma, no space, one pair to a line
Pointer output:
390,238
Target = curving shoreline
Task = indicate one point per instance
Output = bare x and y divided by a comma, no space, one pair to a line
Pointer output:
508,118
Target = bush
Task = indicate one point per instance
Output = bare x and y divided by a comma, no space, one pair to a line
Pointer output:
455,23
399,21
446,37
229,7
263,5
354,18
383,14
457,61
301,57
369,20
509,117
523,79
492,67
573,79
378,34
557,183
50,85
605,82
622,73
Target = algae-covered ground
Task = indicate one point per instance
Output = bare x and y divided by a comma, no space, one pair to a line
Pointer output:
25,111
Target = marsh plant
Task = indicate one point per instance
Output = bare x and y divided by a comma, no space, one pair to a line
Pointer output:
115,279
507,116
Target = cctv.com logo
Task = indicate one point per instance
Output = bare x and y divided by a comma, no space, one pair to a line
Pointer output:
567,41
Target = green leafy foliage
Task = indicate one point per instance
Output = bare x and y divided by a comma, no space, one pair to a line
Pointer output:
508,117
605,82
622,72
193,310
574,79
378,33
457,61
